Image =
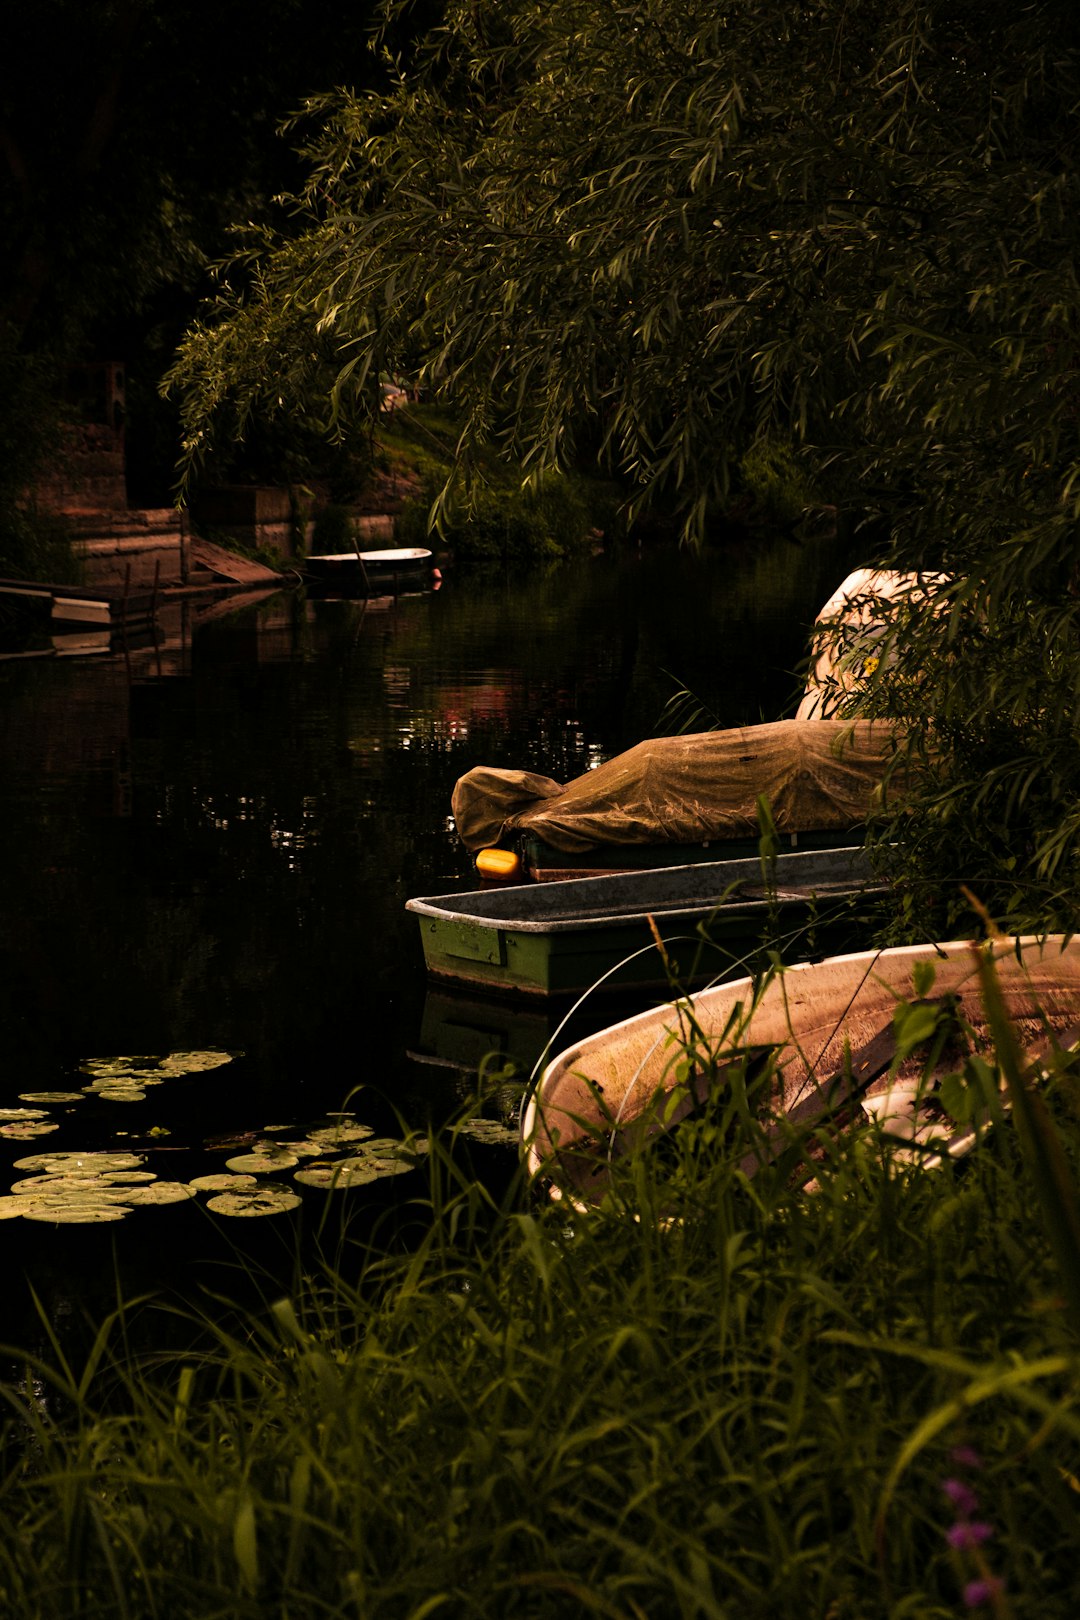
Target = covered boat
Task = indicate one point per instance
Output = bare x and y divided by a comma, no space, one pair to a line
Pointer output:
679,799
673,800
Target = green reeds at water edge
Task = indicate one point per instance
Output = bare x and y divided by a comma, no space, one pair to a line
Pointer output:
711,1396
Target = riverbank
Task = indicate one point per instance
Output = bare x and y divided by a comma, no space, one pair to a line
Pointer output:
702,1400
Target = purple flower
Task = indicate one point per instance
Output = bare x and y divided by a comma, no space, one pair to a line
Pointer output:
983,1591
961,1496
968,1533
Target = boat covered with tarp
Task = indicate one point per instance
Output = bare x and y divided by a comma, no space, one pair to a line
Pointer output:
671,800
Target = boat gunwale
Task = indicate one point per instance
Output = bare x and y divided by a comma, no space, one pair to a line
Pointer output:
855,878
1031,954
390,557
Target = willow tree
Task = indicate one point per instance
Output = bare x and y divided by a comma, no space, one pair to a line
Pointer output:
657,232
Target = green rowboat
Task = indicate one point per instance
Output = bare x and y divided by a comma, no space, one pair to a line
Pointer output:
647,930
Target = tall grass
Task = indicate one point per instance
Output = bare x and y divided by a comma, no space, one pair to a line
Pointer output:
711,1397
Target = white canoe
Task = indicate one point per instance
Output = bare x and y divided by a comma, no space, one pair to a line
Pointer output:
388,557
815,1016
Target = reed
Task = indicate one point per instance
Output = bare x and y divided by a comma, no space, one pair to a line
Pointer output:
710,1397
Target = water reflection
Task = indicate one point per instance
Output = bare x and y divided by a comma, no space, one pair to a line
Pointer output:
209,840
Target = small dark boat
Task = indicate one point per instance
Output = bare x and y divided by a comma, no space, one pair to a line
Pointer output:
642,930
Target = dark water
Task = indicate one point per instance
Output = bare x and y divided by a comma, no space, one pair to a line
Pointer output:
208,844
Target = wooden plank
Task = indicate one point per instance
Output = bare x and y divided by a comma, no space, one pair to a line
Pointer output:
240,570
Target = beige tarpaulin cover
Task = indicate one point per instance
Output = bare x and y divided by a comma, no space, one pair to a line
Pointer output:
816,774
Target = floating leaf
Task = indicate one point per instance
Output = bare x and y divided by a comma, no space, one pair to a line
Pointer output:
25,1129
269,1199
331,1135
221,1183
89,1163
68,1214
57,1185
22,1113
263,1161
105,1070
390,1146
51,1097
120,1086
344,1173
489,1130
11,1207
159,1192
357,1171
194,1062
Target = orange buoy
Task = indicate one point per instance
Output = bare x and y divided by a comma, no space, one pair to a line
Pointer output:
502,865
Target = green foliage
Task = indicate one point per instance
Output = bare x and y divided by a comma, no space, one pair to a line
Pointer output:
984,687
492,517
33,544
333,531
503,524
708,1397
662,235
663,232
778,485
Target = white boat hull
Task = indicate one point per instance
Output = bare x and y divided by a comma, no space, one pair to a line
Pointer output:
813,1015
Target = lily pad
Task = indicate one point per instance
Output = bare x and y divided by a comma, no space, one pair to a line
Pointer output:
11,1207
391,1146
122,1094
87,1163
21,1113
194,1062
57,1185
333,1135
269,1199
359,1171
489,1130
222,1183
263,1161
25,1130
305,1148
71,1214
158,1192
121,1068
51,1097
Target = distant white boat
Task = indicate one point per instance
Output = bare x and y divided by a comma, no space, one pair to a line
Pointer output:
378,564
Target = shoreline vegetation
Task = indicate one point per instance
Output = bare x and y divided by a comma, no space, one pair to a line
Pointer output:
709,1397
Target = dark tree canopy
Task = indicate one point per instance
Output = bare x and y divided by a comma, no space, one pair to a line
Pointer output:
133,135
655,234
666,228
